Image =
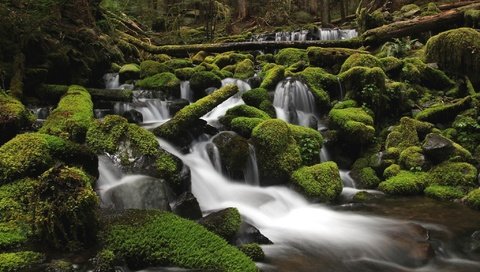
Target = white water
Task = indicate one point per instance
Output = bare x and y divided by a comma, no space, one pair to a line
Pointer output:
251,173
325,34
186,91
291,36
152,110
294,103
111,80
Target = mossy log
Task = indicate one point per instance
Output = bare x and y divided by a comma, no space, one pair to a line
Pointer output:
185,50
438,22
53,93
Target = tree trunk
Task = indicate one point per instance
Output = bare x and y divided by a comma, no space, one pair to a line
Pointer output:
341,4
313,7
242,9
325,12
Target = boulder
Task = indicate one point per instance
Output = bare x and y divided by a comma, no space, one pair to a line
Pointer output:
187,207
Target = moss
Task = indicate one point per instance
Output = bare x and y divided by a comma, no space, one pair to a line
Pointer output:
441,192
431,9
363,60
390,171
230,68
367,178
164,82
321,84
72,117
362,196
454,174
180,123
405,183
65,207
203,80
472,18
267,106
234,153
407,133
20,261
289,56
412,158
230,58
253,251
161,57
414,70
320,182
330,57
244,69
390,64
309,141
129,72
225,223
242,111
272,77
185,73
150,238
150,68
245,125
255,97
265,58
456,51
277,152
199,57
105,261
354,124
473,199
174,64
13,117
11,236
444,113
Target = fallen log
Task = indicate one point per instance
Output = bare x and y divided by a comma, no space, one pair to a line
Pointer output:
438,22
53,93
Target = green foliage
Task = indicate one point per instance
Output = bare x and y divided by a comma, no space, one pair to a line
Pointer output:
414,70
473,199
398,48
289,56
105,261
13,117
20,261
454,174
253,251
309,141
150,238
405,183
362,60
164,82
72,117
320,182
442,192
368,178
224,223
150,68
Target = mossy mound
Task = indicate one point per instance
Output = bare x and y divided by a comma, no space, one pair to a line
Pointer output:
321,84
11,235
150,68
13,117
473,199
150,238
15,199
272,77
203,80
174,64
412,158
416,71
472,18
230,58
390,171
442,192
309,141
330,58
454,174
456,51
255,97
244,69
366,177
253,251
129,72
444,113
277,152
289,56
405,183
234,153
408,133
354,124
65,206
199,57
362,60
242,111
225,223
20,261
185,73
245,125
320,182
72,117
166,82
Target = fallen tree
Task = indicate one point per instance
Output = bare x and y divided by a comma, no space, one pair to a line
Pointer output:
53,93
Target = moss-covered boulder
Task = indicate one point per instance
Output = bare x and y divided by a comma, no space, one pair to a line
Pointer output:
355,126
472,18
20,261
151,238
408,133
253,251
330,58
200,81
150,68
289,56
16,209
185,73
320,182
230,58
309,141
363,60
392,170
442,192
65,208
245,125
129,72
456,51
412,158
12,235
323,85
416,71
255,97
199,57
234,153
225,223
174,64
405,183
366,177
473,199
272,77
277,152
242,111
166,82
444,113
13,117
72,117
454,174
244,69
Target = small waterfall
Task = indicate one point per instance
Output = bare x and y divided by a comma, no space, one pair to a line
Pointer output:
153,110
291,36
41,113
112,81
347,179
340,88
185,91
323,34
327,34
251,174
294,102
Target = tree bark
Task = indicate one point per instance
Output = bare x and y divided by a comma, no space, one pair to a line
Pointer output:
53,93
325,12
242,9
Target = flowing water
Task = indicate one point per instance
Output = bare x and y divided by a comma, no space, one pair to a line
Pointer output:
322,34
186,91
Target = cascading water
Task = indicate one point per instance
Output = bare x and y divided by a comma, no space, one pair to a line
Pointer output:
153,110
322,34
294,103
251,173
111,80
186,91
291,36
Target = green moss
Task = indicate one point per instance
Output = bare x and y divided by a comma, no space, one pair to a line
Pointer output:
65,208
289,56
161,57
150,68
234,152
199,57
277,152
407,133
405,183
390,64
225,223
245,125
441,192
431,9
203,80
454,174
242,111
391,171
363,60
129,72
230,58
412,158
13,117
444,113
473,199
244,69
472,18
150,238
253,251
20,261
72,117
354,124
321,84
414,70
255,97
320,182
456,51
230,68
174,64
185,73
164,82
272,77
265,58
11,236
367,178
330,57
309,141
105,261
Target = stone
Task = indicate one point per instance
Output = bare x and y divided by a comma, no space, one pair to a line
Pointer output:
437,148
133,116
187,207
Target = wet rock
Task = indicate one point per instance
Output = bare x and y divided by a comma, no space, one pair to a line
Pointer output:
176,105
224,223
187,207
254,82
437,147
133,116
249,234
234,153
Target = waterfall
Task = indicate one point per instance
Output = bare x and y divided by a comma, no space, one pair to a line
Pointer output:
112,81
185,91
326,34
251,174
294,103
291,36
347,179
340,88
153,110
323,34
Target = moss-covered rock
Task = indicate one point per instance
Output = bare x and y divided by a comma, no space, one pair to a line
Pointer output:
13,117
444,113
456,51
20,261
272,77
289,56
253,251
65,207
354,124
203,80
416,71
244,69
105,261
405,183
255,97
391,64
150,68
277,152
72,117
390,171
473,199
363,60
265,58
412,158
309,141
472,18
12,235
431,9
245,125
164,82
408,133
185,73
199,57
234,153
174,64
230,58
454,174
323,85
225,223
366,177
330,58
442,192
242,111
320,182
150,238
129,72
